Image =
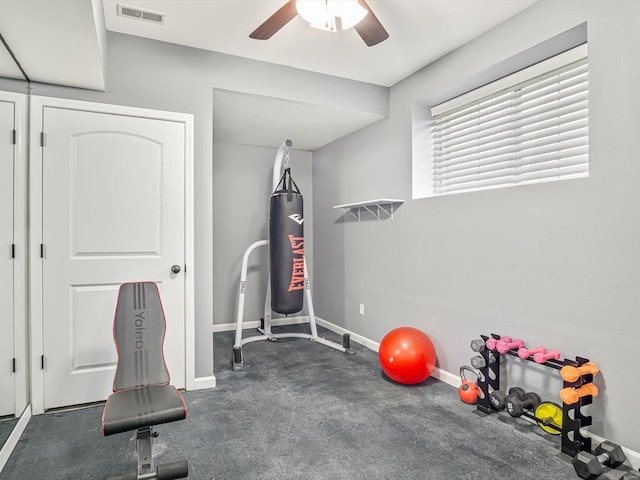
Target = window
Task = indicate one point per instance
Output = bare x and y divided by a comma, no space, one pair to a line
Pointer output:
529,127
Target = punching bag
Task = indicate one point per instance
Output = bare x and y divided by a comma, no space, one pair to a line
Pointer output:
286,246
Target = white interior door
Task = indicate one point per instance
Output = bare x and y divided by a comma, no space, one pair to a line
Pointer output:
113,211
7,386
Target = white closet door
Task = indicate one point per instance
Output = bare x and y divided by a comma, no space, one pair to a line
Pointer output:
113,207
7,384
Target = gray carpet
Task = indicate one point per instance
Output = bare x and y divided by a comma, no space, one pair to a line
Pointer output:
6,427
300,410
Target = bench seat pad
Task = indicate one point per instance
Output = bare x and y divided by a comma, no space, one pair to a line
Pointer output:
141,407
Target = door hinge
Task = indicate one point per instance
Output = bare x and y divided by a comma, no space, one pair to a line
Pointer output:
13,250
13,366
41,362
13,136
42,250
42,139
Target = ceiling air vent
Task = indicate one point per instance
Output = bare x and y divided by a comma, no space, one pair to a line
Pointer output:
138,13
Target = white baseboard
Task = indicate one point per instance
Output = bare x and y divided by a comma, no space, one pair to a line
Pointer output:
632,455
365,342
200,383
446,377
437,373
15,435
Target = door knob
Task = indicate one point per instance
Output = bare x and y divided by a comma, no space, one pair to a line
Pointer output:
175,269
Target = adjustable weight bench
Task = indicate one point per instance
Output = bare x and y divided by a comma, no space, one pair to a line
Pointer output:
142,395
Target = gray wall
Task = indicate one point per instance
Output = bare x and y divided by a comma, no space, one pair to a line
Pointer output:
555,264
151,74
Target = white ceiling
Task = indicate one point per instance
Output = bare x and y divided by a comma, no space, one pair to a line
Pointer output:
420,31
63,42
259,120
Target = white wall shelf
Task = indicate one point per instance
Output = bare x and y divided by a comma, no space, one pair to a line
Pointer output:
380,208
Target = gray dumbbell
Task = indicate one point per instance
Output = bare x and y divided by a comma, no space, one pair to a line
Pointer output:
590,466
477,345
479,362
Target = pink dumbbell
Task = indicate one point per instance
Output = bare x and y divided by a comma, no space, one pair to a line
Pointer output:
543,357
492,343
504,346
523,353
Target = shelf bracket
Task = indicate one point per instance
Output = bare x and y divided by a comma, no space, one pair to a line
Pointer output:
380,208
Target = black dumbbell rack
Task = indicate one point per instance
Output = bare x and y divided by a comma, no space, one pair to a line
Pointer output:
489,378
572,417
573,423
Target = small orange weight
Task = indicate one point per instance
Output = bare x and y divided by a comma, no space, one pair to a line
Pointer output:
468,391
572,395
572,374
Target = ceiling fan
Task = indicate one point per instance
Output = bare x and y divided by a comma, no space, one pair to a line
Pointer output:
322,14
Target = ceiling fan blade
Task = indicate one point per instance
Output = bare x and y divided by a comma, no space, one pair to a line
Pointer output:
276,21
370,29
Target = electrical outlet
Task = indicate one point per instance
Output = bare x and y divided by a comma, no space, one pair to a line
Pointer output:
362,309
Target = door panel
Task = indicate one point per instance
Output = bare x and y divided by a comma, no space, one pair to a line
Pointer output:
88,347
113,212
7,386
103,168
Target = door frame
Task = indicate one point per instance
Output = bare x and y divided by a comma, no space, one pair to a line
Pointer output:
21,398
38,104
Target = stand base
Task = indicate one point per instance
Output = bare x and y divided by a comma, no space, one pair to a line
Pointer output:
238,363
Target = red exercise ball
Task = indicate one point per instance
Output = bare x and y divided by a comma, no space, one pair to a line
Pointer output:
407,355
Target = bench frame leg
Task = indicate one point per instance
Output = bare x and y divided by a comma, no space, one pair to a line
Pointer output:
146,469
144,441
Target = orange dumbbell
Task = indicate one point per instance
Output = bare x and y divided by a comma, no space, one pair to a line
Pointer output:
572,395
572,374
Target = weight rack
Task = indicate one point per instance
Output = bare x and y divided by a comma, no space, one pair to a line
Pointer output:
572,417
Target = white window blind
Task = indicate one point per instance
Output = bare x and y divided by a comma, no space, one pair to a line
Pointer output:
532,126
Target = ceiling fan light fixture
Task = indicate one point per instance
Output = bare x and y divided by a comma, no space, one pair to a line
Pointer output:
350,12
322,13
